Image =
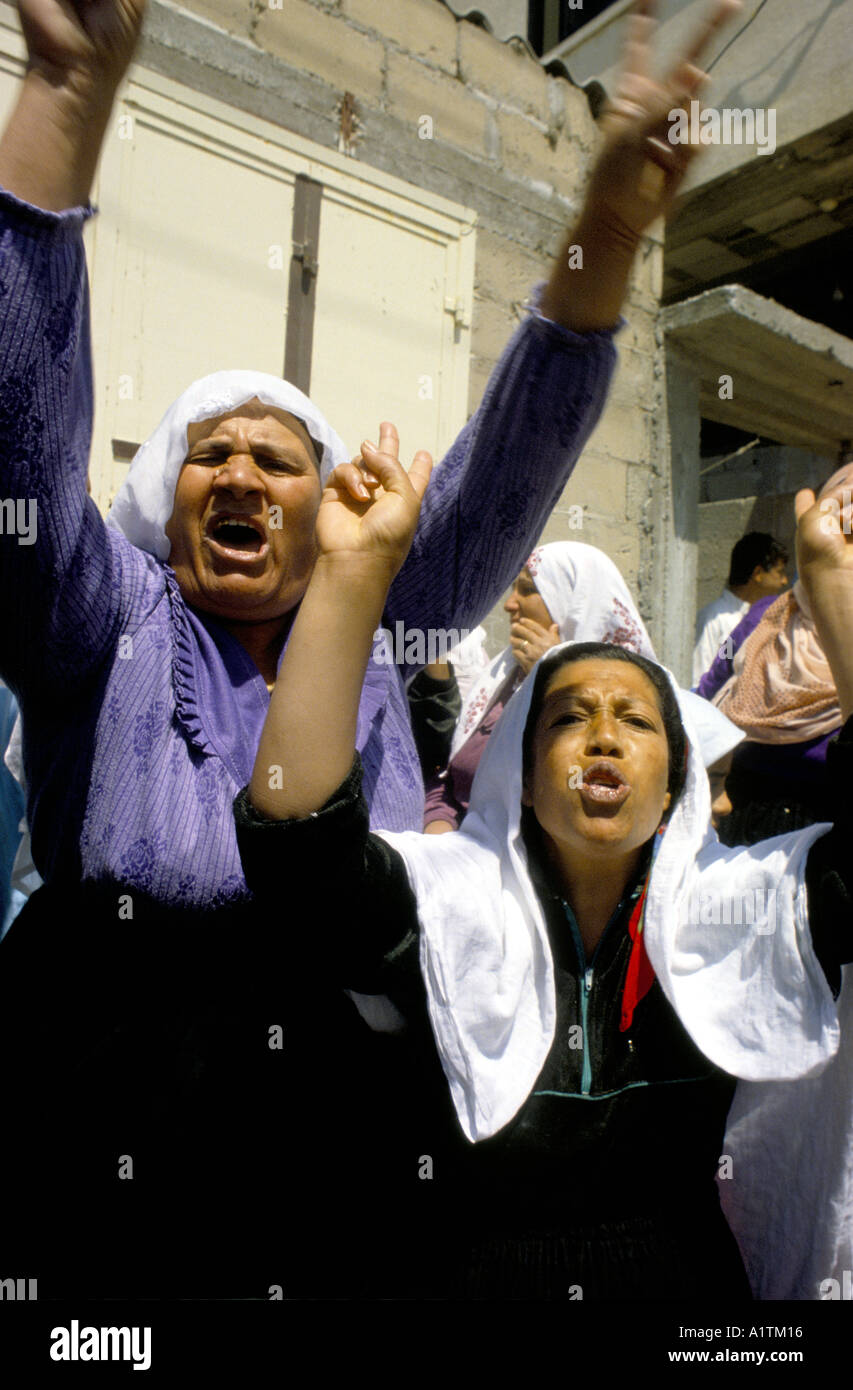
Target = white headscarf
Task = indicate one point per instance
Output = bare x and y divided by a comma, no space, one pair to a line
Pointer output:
145,500
590,602
753,998
716,733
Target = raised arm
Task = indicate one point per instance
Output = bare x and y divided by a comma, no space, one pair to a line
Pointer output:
636,177
501,479
825,563
308,740
60,599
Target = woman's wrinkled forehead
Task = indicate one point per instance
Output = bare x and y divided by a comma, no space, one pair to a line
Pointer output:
587,674
254,410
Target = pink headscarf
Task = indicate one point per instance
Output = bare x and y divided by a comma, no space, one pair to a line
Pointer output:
782,690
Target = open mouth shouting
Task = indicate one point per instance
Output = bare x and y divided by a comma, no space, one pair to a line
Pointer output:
604,786
236,538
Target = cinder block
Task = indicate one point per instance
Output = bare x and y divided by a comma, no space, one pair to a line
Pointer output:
569,111
598,484
641,332
638,377
640,493
424,28
493,325
647,278
414,90
618,539
505,271
235,16
320,43
525,149
569,167
508,74
625,433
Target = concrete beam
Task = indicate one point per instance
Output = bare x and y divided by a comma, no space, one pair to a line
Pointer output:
792,379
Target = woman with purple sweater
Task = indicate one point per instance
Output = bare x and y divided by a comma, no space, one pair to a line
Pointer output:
179,1077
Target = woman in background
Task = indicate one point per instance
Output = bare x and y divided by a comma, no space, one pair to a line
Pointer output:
777,687
565,591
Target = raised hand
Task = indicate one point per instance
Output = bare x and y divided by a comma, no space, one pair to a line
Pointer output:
79,51
370,510
86,41
529,640
634,180
825,530
639,172
825,563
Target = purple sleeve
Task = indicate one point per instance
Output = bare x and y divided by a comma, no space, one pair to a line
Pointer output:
62,590
721,667
489,498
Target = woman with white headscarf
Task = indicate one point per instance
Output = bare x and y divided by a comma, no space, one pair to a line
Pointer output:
566,592
599,973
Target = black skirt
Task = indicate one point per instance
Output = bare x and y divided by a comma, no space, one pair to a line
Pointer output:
190,1111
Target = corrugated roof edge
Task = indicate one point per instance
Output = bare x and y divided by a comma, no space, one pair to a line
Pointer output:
595,93
475,16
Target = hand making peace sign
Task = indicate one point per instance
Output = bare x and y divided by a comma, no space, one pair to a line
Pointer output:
639,172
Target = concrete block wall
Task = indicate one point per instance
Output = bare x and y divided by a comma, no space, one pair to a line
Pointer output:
510,141
753,493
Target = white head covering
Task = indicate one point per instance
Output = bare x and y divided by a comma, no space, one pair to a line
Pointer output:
469,660
145,499
716,733
588,600
753,997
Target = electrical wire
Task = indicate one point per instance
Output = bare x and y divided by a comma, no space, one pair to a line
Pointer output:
736,36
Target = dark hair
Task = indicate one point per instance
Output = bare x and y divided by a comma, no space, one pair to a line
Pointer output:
756,548
606,651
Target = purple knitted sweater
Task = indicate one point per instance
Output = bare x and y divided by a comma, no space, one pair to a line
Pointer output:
142,716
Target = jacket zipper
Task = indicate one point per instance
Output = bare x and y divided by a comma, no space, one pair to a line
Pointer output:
585,985
585,979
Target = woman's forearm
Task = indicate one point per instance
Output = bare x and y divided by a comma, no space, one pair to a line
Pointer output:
308,740
50,148
589,295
